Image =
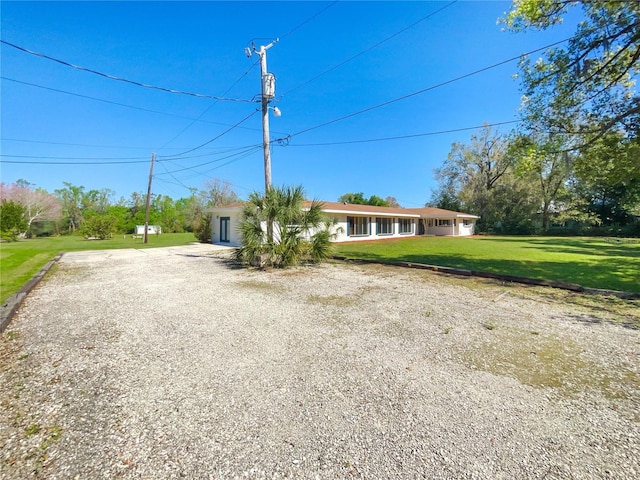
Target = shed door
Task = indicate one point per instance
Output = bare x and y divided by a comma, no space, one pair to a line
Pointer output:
224,229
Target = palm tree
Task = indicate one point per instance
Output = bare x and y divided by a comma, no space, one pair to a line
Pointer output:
299,233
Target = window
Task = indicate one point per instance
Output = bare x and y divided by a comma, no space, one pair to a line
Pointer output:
405,225
443,222
466,222
385,226
358,226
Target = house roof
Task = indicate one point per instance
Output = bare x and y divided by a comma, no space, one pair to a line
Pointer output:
440,213
356,209
335,207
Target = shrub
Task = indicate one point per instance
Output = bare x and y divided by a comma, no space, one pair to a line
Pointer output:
279,230
99,226
202,228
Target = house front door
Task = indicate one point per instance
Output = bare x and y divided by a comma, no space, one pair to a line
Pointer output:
224,229
421,229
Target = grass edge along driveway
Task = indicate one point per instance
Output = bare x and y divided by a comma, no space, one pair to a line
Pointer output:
21,260
607,263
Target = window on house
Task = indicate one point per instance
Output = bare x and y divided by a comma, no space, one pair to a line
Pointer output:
385,226
443,222
358,226
405,225
466,222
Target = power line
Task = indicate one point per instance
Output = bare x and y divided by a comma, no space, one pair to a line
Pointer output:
211,106
433,87
106,162
402,137
216,137
309,19
369,48
248,151
120,79
112,160
25,140
115,103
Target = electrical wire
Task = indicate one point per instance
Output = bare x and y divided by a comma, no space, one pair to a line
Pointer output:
116,103
212,105
120,79
369,48
309,19
242,154
214,138
424,90
24,140
23,162
252,148
402,137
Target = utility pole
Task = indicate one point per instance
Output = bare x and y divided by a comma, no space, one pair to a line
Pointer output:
267,81
146,213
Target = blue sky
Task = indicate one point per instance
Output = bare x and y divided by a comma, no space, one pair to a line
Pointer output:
327,67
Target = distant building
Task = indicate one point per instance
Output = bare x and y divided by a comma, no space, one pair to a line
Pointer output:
151,230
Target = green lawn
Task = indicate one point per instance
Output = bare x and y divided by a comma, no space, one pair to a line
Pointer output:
591,262
19,261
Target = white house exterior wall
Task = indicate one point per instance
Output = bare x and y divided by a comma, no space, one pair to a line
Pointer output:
466,230
425,217
234,221
341,229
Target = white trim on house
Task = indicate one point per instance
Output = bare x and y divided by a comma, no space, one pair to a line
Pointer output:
361,222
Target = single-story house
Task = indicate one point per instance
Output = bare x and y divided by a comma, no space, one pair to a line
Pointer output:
360,222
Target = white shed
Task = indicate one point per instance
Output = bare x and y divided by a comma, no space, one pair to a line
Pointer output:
151,229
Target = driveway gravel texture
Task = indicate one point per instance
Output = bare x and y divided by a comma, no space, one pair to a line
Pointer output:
176,363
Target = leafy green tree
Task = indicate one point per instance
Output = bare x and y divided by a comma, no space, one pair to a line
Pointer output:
97,201
12,219
353,198
445,197
471,174
202,228
71,198
377,201
543,159
100,226
164,208
358,199
299,234
586,86
607,177
121,213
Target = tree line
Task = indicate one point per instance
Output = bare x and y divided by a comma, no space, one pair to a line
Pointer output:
29,211
526,184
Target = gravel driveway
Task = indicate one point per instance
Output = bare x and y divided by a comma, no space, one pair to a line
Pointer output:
173,363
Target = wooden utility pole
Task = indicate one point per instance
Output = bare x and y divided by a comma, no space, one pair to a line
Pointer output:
267,91
146,213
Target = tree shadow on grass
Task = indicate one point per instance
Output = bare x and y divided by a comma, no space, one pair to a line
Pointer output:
573,245
614,274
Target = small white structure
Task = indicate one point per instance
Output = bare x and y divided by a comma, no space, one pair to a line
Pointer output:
151,230
360,222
